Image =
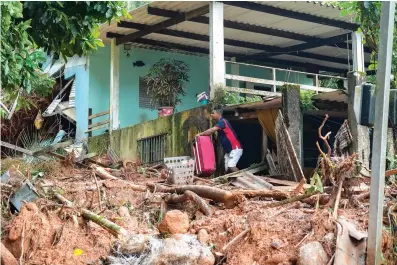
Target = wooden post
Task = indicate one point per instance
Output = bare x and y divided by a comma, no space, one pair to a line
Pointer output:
217,60
376,203
114,86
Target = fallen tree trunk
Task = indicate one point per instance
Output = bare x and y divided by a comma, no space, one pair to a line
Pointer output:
275,194
291,200
69,204
189,195
208,192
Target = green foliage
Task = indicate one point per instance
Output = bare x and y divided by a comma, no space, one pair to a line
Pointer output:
131,5
223,97
29,29
368,14
306,102
19,60
71,27
165,82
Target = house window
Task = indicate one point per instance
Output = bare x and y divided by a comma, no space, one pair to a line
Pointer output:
144,98
151,150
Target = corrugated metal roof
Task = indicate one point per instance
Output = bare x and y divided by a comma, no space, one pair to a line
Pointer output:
251,17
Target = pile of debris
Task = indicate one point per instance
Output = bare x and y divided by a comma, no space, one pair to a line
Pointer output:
142,215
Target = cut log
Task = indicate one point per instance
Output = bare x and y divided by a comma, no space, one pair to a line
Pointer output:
189,195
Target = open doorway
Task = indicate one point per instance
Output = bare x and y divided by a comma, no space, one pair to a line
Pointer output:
250,135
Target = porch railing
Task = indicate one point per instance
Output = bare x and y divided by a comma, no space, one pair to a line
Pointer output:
97,125
274,83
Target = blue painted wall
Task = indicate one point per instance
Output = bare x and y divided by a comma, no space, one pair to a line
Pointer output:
130,112
81,73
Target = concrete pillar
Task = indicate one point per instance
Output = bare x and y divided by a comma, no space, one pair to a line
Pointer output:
114,122
292,117
217,60
360,133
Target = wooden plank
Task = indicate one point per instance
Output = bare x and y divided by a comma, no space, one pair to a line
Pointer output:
287,160
16,148
164,24
54,147
275,83
253,170
272,166
98,124
280,181
97,128
103,113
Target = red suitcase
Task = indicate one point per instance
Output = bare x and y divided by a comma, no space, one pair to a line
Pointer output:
203,151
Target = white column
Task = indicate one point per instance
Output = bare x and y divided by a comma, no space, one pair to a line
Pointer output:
375,224
358,52
235,70
114,122
217,60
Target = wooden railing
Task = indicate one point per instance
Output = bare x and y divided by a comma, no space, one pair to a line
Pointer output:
274,83
97,125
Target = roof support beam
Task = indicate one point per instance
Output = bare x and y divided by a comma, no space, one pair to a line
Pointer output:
248,27
170,45
282,63
293,14
231,42
164,24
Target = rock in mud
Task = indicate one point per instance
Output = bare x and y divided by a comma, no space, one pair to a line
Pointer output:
203,236
185,250
174,222
312,253
179,249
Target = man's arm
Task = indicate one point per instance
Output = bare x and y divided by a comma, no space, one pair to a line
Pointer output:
209,131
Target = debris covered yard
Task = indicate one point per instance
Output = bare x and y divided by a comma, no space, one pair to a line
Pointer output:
132,214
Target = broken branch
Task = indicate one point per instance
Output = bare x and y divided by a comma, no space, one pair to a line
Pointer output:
324,138
237,238
100,220
290,200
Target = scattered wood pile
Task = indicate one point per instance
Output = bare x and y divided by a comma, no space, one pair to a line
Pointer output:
132,215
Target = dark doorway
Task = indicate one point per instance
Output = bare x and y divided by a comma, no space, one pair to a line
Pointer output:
250,135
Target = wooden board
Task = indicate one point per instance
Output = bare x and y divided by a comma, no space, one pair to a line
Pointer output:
287,160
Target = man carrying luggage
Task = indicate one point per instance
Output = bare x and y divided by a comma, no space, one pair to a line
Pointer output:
228,138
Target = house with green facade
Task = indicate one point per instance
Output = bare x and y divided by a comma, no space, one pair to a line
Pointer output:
247,48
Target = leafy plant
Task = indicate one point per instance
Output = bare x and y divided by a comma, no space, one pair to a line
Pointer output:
223,97
30,29
368,14
165,82
306,102
70,27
